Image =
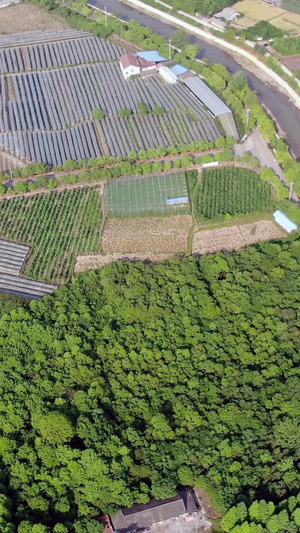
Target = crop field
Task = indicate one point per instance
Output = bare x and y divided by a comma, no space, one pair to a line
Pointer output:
234,237
147,235
292,62
26,17
231,191
152,131
53,147
94,262
257,10
57,226
52,81
147,195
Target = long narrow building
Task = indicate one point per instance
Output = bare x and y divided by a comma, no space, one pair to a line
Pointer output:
213,103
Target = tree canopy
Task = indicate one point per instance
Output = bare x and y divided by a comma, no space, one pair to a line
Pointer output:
131,380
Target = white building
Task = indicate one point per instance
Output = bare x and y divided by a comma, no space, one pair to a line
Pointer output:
129,66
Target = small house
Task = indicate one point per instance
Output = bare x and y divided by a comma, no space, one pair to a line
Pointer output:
129,65
229,14
284,221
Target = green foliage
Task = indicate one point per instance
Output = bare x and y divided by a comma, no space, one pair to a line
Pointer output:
287,47
231,191
261,516
191,51
98,114
54,427
142,108
262,29
158,110
180,39
163,373
125,112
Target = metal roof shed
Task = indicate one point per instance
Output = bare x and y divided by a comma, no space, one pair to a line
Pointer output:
284,221
179,69
151,55
213,103
167,74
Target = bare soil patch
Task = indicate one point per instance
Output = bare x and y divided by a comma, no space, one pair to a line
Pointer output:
234,237
292,62
150,235
207,505
27,17
94,262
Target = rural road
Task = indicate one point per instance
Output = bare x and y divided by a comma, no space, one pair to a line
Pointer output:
285,113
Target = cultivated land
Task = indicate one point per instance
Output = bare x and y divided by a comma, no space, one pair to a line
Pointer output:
50,84
26,17
257,10
94,262
146,195
291,62
57,226
234,237
149,235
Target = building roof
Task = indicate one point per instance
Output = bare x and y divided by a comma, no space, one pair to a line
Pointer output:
143,63
218,23
228,13
284,221
143,515
178,69
151,55
167,74
128,60
207,96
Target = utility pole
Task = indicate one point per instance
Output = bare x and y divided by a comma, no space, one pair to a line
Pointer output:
291,190
105,12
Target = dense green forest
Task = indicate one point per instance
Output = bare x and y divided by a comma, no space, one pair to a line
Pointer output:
131,380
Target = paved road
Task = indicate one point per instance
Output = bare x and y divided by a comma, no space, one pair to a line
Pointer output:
257,146
287,115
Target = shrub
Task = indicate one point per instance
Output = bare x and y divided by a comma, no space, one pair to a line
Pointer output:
98,114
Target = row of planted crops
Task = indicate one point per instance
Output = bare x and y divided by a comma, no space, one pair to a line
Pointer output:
54,99
57,226
53,147
57,54
124,134
231,191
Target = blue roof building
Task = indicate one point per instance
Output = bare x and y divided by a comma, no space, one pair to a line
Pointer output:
284,221
151,55
179,69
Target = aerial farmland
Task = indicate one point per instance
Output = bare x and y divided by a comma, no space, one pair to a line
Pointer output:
51,83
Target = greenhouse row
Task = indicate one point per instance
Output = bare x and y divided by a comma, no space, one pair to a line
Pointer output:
25,38
73,52
12,256
121,135
54,99
25,287
52,147
11,60
3,99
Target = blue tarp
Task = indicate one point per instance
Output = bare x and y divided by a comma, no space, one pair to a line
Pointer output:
284,221
180,200
151,55
178,69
